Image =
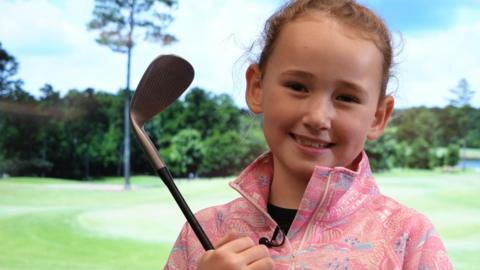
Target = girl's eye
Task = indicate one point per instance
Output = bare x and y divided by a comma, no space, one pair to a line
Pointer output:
297,87
348,98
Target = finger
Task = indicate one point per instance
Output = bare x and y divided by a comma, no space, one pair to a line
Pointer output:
266,263
227,238
238,245
255,253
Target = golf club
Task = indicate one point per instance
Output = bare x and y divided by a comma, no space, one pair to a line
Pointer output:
165,79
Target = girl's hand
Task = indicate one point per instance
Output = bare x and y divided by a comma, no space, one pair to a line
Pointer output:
235,252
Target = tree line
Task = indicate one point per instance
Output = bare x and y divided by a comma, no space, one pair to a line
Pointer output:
79,135
427,138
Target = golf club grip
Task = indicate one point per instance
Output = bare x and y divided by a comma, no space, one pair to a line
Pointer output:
167,178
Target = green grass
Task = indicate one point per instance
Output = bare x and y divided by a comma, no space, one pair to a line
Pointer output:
55,224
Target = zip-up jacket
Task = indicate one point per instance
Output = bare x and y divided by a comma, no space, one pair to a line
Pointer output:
343,222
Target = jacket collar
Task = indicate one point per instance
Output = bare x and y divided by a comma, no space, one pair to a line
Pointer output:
331,194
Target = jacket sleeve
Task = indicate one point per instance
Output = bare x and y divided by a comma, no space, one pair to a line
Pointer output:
178,258
424,248
185,252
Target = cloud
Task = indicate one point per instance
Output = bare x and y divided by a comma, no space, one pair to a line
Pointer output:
216,41
433,63
36,27
52,44
438,47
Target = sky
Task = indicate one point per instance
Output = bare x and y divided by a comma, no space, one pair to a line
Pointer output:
436,45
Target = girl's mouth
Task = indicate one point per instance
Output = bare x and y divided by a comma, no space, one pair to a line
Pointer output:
318,144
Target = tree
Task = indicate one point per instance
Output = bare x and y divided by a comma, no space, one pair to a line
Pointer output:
120,23
210,113
112,107
20,124
462,94
414,123
166,125
382,153
452,155
8,69
228,153
185,153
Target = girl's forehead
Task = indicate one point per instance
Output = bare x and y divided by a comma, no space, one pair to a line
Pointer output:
328,50
332,22
347,29
323,35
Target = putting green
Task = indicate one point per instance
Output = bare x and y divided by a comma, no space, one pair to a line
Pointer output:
139,223
154,222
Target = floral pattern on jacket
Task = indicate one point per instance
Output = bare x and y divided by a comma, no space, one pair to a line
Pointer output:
343,222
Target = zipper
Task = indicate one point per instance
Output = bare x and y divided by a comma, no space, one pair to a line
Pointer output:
309,226
248,198
314,216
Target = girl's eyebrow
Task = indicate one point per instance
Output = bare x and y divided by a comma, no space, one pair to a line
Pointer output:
300,73
354,86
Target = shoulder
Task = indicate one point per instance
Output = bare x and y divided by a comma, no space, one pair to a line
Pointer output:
411,234
389,210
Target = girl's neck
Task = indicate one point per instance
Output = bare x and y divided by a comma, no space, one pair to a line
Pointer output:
287,189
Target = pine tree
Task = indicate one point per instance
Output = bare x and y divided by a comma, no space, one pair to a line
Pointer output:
120,23
462,94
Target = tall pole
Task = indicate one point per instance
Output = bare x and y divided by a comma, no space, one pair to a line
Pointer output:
126,125
126,109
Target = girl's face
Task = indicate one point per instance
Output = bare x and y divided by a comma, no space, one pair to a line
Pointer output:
319,95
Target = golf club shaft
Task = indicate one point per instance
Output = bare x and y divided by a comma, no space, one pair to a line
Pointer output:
167,178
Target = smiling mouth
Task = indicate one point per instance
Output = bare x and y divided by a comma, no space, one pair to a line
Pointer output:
310,143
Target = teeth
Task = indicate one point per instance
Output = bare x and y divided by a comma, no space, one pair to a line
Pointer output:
310,143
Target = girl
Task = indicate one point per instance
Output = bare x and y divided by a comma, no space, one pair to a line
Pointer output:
311,202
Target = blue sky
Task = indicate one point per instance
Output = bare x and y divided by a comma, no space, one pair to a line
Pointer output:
423,16
436,45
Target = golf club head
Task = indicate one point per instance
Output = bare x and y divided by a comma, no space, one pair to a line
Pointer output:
165,79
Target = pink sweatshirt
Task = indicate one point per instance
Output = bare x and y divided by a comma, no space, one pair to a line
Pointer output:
343,222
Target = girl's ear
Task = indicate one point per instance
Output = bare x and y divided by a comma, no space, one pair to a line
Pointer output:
254,93
382,115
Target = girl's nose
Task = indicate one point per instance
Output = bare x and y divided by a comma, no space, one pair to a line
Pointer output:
318,115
